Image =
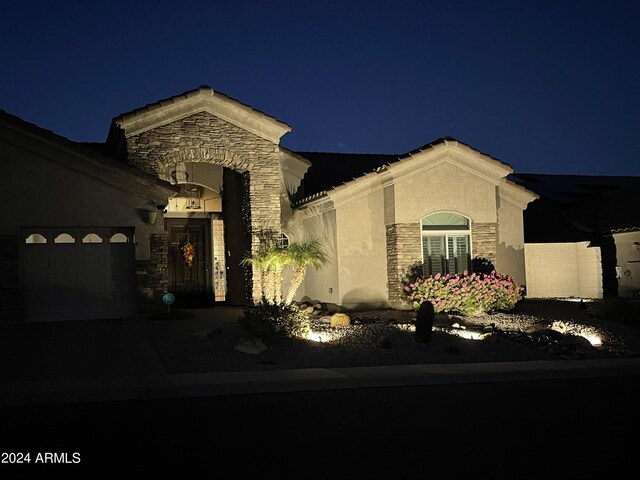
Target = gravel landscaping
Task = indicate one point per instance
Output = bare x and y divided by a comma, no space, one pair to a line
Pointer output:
211,340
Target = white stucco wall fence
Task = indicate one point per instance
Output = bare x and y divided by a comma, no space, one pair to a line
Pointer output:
556,270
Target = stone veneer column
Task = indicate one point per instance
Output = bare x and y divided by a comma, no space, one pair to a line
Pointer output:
203,137
152,276
485,240
404,253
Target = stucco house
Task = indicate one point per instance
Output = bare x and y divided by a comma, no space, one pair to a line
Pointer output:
98,230
434,209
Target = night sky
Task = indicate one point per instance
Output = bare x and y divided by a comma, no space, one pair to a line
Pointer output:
545,86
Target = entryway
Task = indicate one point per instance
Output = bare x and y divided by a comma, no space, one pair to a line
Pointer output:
189,261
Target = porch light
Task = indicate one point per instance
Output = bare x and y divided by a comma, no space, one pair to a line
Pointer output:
192,195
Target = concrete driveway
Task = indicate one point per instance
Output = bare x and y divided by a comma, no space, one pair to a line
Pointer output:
76,349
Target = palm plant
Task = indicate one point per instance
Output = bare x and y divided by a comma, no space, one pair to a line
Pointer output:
300,256
268,260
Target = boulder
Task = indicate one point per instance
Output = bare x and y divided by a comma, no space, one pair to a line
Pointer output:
253,346
340,320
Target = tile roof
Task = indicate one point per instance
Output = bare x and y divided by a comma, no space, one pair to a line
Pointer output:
91,151
577,207
183,96
329,170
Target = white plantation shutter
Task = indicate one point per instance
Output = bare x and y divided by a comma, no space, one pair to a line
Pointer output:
446,243
434,254
460,253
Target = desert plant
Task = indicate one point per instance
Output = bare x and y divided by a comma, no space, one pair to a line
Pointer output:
300,256
276,319
269,260
469,294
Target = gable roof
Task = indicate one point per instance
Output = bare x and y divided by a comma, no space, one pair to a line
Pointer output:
329,171
201,99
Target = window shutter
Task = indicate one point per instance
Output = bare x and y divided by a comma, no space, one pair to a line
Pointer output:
434,252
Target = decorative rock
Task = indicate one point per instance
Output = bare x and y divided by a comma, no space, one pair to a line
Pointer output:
340,320
309,310
325,319
253,346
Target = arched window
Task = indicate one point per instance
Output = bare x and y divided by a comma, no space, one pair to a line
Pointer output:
92,238
35,238
446,243
119,238
64,238
284,241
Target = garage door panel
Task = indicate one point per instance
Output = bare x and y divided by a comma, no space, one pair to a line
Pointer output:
73,281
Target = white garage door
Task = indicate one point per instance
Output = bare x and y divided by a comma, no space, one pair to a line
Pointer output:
77,273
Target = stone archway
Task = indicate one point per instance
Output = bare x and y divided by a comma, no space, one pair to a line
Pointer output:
152,144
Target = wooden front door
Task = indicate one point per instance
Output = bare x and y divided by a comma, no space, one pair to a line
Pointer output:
189,280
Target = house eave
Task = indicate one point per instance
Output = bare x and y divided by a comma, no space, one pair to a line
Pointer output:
203,99
45,144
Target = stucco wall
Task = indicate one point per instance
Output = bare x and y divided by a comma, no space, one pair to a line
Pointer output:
446,187
54,185
322,284
510,248
563,270
628,259
46,193
362,250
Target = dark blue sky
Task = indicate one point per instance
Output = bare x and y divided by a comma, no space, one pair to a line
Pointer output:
546,86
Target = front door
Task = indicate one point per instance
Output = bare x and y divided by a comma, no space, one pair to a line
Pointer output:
189,259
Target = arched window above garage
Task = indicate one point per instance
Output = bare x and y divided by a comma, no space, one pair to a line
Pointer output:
35,238
119,238
64,238
92,238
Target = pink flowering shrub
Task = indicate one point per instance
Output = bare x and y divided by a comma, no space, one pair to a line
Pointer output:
468,294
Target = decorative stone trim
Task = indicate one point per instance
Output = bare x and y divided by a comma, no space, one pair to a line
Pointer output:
203,137
152,276
404,254
485,240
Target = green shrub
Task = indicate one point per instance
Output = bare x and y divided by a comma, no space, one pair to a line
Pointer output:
468,294
276,320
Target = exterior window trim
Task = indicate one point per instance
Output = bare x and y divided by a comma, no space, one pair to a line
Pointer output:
446,233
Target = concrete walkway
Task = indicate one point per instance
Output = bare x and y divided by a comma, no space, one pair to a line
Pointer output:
35,392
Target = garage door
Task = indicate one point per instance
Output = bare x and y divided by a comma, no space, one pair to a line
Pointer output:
77,273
